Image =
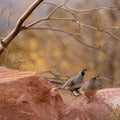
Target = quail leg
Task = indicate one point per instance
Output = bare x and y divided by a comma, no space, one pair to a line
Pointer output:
73,94
77,91
89,99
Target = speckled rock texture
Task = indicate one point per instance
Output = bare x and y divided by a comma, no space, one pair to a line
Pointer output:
28,96
104,105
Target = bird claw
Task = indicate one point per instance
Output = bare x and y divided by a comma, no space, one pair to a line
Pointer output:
75,95
89,99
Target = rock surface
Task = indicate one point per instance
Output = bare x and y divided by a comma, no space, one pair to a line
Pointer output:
103,105
28,96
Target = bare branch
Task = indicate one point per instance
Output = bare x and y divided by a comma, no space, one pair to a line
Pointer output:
55,73
64,19
100,30
5,42
91,10
54,82
66,10
110,81
112,27
57,78
59,6
110,33
49,15
63,77
56,36
75,19
68,33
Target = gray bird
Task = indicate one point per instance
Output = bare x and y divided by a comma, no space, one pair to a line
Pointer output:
79,78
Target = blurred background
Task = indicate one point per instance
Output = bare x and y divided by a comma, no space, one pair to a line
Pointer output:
40,50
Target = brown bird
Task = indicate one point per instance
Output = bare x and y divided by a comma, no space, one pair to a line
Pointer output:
89,87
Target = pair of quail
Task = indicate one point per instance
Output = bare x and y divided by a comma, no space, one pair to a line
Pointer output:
78,85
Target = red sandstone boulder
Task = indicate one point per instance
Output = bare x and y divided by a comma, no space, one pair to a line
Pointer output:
26,96
104,105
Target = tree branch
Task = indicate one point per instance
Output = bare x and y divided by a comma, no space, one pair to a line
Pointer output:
5,42
93,9
75,19
47,17
68,33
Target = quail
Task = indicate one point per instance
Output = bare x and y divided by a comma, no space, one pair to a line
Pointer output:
73,84
89,87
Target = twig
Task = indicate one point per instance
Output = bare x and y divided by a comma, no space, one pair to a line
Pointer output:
48,17
60,8
56,36
79,23
56,74
90,10
75,19
112,27
69,33
54,82
58,77
100,30
110,33
112,82
64,19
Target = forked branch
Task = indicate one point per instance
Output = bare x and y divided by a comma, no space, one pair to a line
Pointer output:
5,42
